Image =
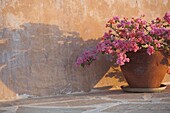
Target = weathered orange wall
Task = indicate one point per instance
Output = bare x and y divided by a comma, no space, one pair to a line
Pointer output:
40,40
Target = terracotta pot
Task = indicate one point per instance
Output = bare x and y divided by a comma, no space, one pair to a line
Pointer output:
145,71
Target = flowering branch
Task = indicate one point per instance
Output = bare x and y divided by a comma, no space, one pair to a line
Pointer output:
130,35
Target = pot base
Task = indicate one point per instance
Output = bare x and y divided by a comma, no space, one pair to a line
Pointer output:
143,90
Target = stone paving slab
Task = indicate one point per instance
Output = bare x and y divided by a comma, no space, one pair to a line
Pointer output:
51,110
12,109
79,102
138,111
140,107
95,102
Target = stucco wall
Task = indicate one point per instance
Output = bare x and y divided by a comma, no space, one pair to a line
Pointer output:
40,40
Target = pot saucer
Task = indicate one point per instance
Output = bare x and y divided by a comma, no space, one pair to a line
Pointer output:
143,90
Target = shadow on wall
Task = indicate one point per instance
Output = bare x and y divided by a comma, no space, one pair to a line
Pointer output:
38,59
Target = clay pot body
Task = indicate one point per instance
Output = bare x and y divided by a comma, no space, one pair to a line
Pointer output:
145,71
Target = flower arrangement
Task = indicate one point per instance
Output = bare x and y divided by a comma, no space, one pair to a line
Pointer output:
130,35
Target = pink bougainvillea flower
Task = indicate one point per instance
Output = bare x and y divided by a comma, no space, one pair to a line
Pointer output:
116,18
148,39
122,58
150,50
167,17
87,57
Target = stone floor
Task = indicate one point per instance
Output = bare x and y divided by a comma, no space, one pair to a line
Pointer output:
94,102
